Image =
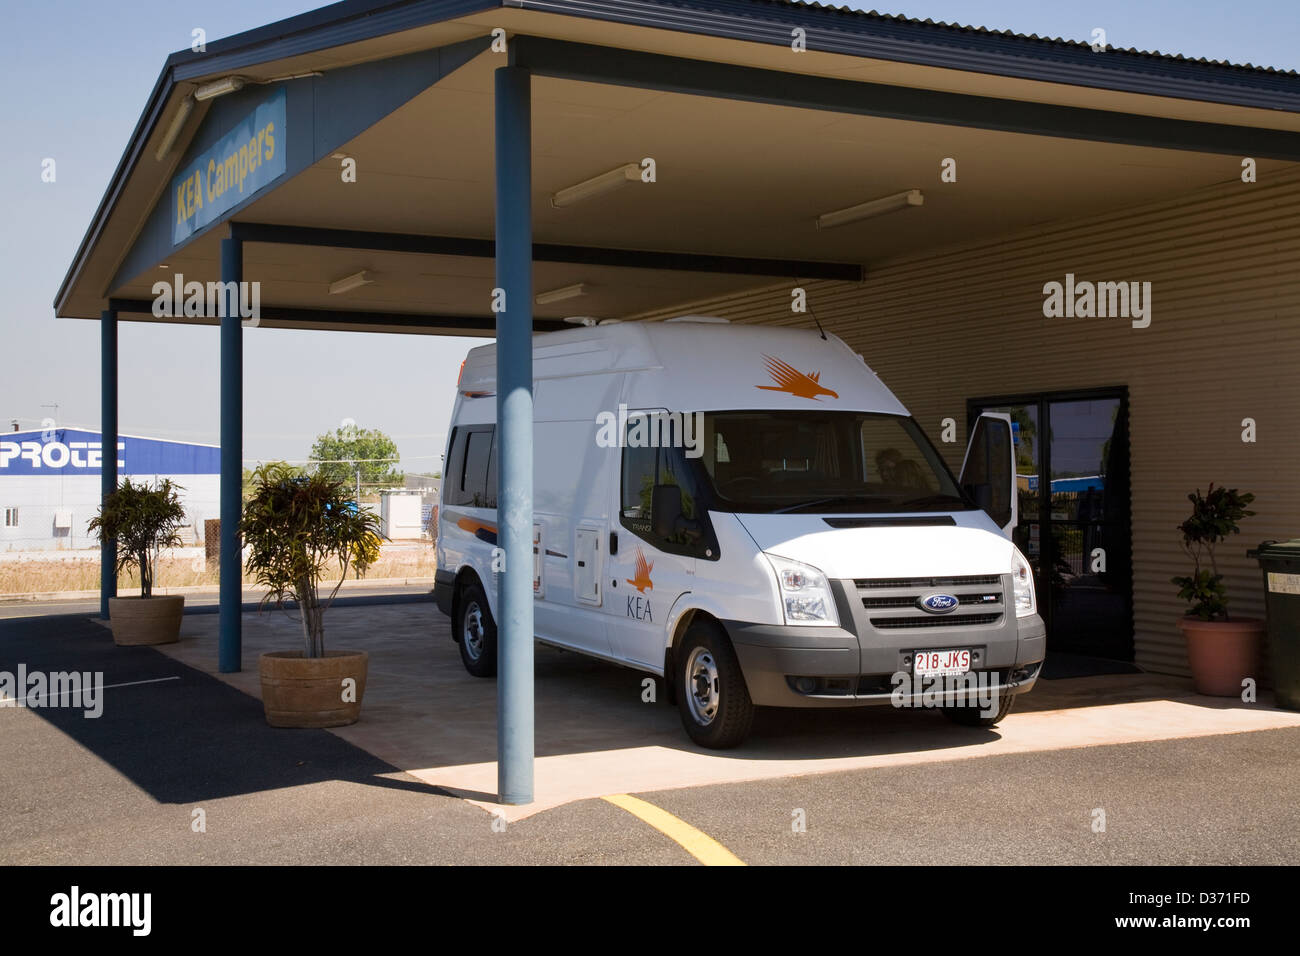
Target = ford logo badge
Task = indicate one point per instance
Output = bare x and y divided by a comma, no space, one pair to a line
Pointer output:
938,603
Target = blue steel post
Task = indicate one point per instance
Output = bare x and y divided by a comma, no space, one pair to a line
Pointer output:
229,653
514,275
108,448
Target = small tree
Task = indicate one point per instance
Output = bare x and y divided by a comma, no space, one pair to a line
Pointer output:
351,449
143,519
1214,517
296,528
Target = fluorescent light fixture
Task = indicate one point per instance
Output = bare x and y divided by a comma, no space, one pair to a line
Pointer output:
174,130
559,295
877,207
585,320
627,173
220,87
348,283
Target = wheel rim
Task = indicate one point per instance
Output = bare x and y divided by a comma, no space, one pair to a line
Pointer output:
703,694
471,634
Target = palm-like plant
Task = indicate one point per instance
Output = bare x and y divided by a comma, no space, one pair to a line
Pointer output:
297,528
143,519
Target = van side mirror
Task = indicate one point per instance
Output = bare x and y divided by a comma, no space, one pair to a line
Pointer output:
666,510
982,494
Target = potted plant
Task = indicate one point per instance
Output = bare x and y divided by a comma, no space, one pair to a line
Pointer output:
297,528
1222,651
143,519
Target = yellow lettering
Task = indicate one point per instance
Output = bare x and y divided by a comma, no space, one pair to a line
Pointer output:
198,189
211,165
180,205
270,140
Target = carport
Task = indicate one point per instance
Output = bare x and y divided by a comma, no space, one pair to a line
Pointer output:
466,123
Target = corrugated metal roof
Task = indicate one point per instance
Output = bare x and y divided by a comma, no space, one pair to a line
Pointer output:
965,29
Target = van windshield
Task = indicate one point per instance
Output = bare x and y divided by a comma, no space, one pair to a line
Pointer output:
824,461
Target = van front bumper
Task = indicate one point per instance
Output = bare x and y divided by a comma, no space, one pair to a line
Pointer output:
792,666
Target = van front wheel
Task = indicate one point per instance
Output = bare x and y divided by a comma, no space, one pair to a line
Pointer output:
711,694
476,632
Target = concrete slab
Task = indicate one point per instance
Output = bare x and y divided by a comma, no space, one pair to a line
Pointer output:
597,736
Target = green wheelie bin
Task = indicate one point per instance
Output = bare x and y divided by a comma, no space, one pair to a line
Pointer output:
1280,561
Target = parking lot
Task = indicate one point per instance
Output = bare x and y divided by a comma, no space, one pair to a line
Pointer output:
413,781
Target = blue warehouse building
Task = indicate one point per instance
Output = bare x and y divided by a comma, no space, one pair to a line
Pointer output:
50,484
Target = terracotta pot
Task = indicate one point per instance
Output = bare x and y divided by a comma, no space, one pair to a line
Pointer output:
1223,653
141,620
302,691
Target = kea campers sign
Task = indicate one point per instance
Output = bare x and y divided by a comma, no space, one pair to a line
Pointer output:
243,161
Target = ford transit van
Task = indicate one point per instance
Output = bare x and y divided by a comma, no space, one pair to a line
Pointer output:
749,514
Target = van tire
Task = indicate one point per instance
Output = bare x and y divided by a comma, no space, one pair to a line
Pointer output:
973,717
476,632
706,650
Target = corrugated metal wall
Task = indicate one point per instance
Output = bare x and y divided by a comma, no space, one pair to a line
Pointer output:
1223,345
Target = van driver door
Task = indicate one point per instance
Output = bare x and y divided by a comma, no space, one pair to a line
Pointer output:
988,473
647,567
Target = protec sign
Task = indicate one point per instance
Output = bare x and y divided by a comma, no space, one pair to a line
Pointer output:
67,451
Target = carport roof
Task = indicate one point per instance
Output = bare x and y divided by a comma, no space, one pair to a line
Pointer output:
897,51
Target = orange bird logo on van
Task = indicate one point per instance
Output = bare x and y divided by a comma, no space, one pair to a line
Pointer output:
797,383
641,576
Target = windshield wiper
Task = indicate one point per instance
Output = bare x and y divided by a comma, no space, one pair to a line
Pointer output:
818,502
929,501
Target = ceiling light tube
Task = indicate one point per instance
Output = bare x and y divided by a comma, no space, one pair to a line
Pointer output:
174,130
559,295
876,207
627,173
229,84
348,283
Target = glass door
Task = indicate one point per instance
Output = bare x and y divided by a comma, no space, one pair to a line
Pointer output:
1072,474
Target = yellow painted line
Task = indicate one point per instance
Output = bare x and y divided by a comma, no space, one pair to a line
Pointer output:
695,842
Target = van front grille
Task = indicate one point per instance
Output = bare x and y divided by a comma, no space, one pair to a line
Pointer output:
957,581
895,603
930,620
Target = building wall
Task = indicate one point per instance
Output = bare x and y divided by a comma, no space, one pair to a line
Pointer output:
39,497
1223,345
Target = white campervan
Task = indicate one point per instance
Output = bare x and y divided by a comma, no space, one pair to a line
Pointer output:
750,514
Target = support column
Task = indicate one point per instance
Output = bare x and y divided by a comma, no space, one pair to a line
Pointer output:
230,641
108,448
514,274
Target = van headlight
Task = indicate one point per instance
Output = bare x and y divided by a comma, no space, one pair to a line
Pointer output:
806,596
1022,584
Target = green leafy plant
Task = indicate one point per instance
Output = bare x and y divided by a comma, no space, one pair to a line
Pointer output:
1214,516
297,529
143,519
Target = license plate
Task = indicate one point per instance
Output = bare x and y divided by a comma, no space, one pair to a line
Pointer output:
941,663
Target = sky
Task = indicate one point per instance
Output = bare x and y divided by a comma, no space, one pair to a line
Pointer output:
75,76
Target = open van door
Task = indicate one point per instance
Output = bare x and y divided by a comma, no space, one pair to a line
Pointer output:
988,474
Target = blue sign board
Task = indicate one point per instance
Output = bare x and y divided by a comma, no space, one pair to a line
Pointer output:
69,451
248,158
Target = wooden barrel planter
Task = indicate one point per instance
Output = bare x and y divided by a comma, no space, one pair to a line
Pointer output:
146,620
302,691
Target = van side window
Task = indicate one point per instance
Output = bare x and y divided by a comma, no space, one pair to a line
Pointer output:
454,467
473,485
638,481
490,490
471,468
642,469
